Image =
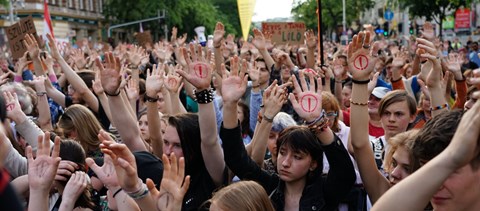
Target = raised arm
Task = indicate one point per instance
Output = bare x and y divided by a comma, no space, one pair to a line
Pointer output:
374,182
454,63
200,75
111,77
174,86
311,41
260,43
217,44
153,86
77,83
44,117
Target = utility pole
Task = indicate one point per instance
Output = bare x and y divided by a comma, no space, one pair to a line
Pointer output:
159,16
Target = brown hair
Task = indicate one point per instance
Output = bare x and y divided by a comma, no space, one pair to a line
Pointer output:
243,196
404,139
395,97
78,118
329,102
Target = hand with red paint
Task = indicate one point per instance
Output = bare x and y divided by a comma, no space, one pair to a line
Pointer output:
235,83
362,57
199,71
308,102
173,81
14,110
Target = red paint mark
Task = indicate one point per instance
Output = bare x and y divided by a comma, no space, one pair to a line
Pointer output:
200,70
10,107
172,82
360,62
309,103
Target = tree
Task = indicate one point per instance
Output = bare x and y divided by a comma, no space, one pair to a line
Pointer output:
184,14
437,9
331,12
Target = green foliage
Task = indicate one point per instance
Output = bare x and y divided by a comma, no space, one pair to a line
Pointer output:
184,14
305,11
4,3
435,7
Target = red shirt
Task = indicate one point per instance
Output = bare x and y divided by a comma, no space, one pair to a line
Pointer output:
375,131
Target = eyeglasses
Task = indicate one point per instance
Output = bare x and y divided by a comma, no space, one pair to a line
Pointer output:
332,115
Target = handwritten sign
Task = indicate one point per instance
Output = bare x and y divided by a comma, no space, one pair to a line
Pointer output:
144,37
282,33
16,33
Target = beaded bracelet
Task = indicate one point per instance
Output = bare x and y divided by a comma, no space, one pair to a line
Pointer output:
204,97
322,115
141,191
440,107
358,104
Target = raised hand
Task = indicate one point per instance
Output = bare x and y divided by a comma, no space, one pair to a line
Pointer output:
181,40
97,84
14,110
42,169
106,173
32,46
173,81
132,89
22,63
53,48
310,39
136,55
218,35
173,38
273,98
174,184
428,32
199,71
254,73
155,80
124,161
258,39
454,64
110,75
234,84
361,56
76,185
79,58
308,102
431,53
398,63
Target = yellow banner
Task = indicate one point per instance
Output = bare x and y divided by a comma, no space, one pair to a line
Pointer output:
245,11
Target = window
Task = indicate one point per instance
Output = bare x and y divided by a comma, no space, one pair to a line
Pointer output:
70,3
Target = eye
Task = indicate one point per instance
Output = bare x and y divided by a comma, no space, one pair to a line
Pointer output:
166,143
394,163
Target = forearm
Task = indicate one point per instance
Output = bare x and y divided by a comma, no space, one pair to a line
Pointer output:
416,66
267,58
44,117
310,57
461,96
338,90
168,103
259,142
67,204
218,60
104,103
359,116
30,132
230,119
127,128
327,86
38,200
37,66
154,123
56,95
130,109
176,104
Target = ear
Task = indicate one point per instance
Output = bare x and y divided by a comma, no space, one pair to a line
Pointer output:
313,165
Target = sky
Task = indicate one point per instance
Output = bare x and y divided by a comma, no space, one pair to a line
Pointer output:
266,9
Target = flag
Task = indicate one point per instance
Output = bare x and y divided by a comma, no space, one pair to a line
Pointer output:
141,28
47,20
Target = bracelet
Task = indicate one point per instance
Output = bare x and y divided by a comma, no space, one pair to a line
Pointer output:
440,107
339,81
268,119
360,82
114,94
203,97
141,192
116,192
322,115
358,104
150,99
40,94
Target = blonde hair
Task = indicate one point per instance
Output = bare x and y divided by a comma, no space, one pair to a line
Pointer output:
329,102
404,139
80,119
243,196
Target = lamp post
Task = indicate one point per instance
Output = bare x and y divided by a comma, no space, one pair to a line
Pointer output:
320,40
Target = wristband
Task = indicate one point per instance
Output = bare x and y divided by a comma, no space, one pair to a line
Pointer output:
360,82
150,99
18,78
114,94
358,104
440,107
53,78
40,94
268,119
203,97
116,192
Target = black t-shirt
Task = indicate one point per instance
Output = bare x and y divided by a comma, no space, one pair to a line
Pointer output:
101,115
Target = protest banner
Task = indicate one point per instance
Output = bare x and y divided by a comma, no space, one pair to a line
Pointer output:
282,33
144,37
16,34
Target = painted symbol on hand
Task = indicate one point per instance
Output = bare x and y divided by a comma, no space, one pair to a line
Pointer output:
10,107
172,82
201,70
311,71
309,103
360,62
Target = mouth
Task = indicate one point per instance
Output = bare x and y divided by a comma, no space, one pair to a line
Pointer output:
392,127
439,200
283,172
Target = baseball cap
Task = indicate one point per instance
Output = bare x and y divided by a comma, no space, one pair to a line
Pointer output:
380,92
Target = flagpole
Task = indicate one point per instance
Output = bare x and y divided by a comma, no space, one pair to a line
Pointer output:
320,40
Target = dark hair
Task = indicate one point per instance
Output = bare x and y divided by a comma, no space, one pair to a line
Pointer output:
188,130
72,151
87,77
301,139
245,124
434,137
395,97
3,109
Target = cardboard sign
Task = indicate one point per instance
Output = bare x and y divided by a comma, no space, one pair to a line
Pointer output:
144,37
283,33
16,33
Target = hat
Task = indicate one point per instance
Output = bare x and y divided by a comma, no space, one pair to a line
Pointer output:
380,92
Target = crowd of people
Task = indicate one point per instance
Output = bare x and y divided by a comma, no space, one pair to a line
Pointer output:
242,125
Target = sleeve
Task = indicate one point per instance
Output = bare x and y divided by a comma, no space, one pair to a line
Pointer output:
341,176
255,102
68,101
30,131
240,163
15,163
218,111
27,75
461,96
398,85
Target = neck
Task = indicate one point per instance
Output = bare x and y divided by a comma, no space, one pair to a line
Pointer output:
374,119
264,86
295,188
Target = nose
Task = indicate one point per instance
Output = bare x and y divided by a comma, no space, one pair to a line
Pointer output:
168,150
395,174
287,162
391,117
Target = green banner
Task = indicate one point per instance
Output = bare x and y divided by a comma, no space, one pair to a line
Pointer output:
448,22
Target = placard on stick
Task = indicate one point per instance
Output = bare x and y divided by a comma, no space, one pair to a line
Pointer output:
144,37
16,34
285,32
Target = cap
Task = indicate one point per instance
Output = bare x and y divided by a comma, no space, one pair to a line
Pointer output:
380,92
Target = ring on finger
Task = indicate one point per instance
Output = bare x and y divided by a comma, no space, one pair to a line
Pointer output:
366,46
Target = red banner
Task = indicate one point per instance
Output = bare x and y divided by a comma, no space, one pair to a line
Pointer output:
462,18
